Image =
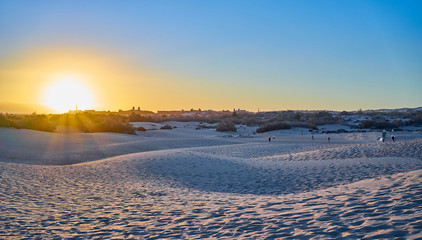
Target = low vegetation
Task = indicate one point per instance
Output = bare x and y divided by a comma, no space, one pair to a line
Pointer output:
227,120
91,122
226,126
273,126
33,121
5,122
168,127
83,122
141,129
416,119
373,124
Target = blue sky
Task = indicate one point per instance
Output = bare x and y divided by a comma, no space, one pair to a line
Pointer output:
272,54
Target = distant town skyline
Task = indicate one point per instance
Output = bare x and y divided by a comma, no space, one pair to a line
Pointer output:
167,55
16,108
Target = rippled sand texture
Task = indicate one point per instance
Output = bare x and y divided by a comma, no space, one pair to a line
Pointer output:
154,187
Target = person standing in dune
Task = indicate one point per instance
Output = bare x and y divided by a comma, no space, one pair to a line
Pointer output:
384,134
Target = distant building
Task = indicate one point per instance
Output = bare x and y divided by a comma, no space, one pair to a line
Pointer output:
75,111
239,111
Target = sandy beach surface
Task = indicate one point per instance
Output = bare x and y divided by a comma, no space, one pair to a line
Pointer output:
197,184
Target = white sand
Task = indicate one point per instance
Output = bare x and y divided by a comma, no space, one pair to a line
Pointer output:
187,183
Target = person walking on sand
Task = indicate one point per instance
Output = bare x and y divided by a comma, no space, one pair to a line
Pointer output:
269,139
312,137
384,134
329,139
393,137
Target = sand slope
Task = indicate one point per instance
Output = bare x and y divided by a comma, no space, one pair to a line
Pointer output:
223,188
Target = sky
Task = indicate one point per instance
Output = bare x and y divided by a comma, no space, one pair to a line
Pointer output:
172,55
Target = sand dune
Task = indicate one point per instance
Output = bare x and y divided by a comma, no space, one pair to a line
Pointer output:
140,187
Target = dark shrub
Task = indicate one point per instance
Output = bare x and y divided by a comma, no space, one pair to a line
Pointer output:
4,122
372,124
35,122
398,123
297,117
341,130
212,121
134,117
88,122
226,126
203,126
110,125
273,126
417,118
250,121
324,114
166,127
321,118
141,129
84,122
337,131
301,124
366,124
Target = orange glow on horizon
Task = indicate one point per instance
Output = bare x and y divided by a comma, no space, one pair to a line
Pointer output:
67,92
109,82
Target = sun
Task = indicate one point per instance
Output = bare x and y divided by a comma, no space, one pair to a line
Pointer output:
68,93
